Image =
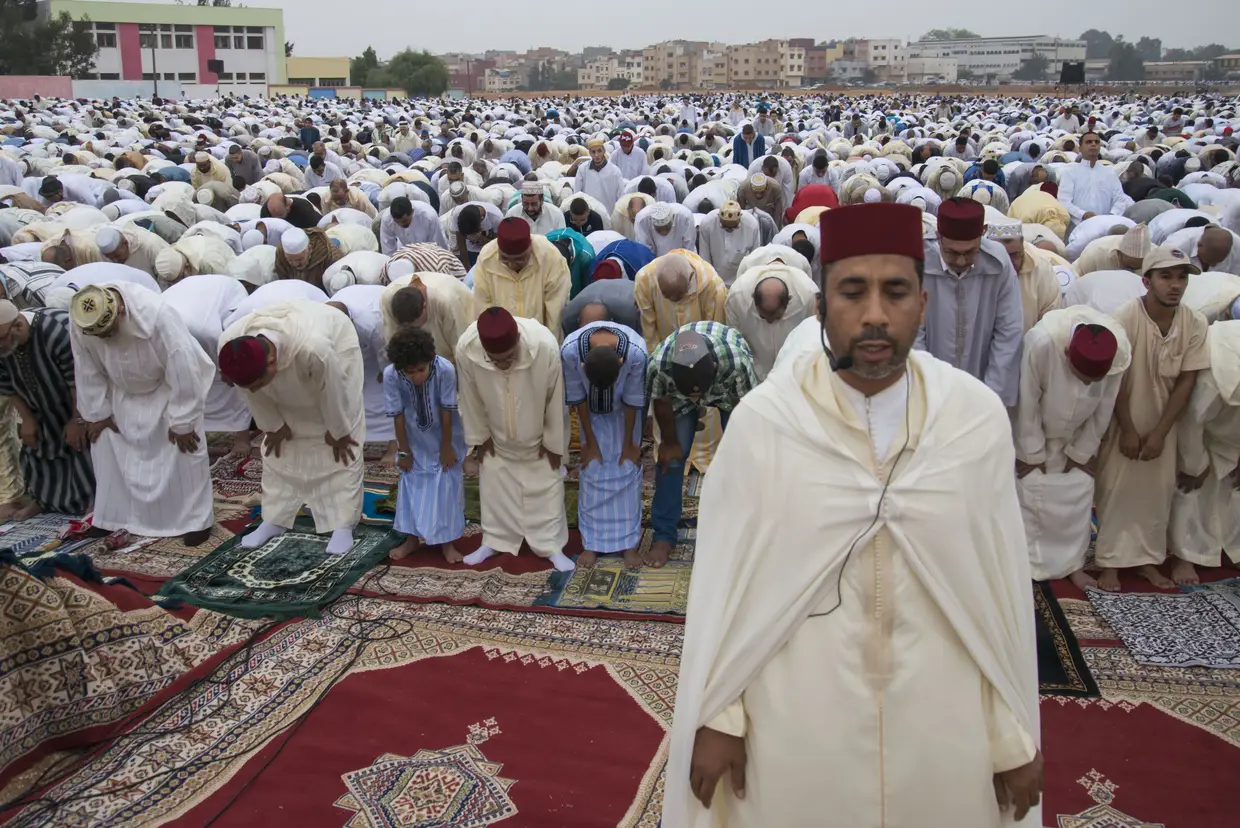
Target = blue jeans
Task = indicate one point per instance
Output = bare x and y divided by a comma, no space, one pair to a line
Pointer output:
669,485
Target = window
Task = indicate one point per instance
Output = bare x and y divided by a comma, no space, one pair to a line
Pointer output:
238,42
258,77
185,41
253,42
170,75
109,76
223,29
146,41
182,28
149,76
165,41
105,27
252,29
223,42
302,81
224,76
191,77
106,40
335,81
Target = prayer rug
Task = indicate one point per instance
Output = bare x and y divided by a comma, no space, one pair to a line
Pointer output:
237,477
609,585
79,655
446,716
473,505
1062,670
1197,629
39,534
289,576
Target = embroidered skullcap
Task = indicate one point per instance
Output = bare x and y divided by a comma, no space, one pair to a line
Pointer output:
204,196
251,238
531,188
8,312
497,330
961,219
879,229
94,309
1091,350
513,236
1136,241
108,239
169,264
758,182
661,214
243,361
608,269
294,241
1004,229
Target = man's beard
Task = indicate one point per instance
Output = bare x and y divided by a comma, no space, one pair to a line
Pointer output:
877,371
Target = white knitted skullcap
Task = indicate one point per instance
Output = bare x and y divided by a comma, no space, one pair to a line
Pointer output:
399,268
947,179
272,166
339,280
169,264
294,240
873,196
661,214
108,239
251,238
204,196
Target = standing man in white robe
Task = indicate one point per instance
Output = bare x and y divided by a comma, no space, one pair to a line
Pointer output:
1205,511
205,302
600,179
765,304
1071,367
511,393
860,640
361,303
727,236
630,161
301,367
1090,188
541,216
142,385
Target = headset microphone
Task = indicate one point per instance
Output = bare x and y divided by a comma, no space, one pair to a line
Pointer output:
842,364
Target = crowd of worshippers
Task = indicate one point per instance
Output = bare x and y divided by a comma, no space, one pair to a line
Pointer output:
481,281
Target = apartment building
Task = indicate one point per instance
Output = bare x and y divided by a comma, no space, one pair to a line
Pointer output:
885,58
998,58
502,80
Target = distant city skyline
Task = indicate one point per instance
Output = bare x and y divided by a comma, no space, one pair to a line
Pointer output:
331,28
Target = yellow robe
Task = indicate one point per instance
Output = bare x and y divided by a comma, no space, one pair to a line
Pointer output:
1134,496
1039,289
538,292
706,301
449,309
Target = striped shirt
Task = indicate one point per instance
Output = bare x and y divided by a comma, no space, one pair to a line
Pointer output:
25,282
734,378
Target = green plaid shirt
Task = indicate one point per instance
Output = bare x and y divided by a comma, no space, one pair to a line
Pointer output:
734,378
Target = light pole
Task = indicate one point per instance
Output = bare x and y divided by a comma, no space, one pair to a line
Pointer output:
154,65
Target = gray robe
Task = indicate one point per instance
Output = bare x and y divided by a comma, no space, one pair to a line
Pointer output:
975,322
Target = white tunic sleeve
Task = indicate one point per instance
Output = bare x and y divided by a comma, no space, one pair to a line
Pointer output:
473,414
92,384
1010,746
1030,435
731,721
335,415
1089,436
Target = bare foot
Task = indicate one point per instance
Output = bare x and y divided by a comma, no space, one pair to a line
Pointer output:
7,510
1150,573
389,456
450,553
1082,580
1108,580
31,509
411,545
660,551
241,445
632,558
1184,573
586,559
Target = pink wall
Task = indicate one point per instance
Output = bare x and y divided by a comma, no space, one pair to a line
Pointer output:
25,86
131,51
206,51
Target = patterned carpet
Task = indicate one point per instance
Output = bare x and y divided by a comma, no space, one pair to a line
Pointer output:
439,695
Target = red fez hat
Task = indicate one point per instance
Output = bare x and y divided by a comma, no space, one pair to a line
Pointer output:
514,236
1092,350
243,361
1050,187
608,269
961,219
497,330
870,230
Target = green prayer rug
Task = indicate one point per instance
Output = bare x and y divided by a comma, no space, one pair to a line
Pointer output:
473,503
290,576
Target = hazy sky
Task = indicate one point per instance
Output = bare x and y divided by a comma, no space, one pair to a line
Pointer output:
331,28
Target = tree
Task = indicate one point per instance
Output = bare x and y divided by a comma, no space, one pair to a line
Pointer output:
868,75
1097,44
1150,48
965,74
949,34
1033,69
288,48
215,2
665,84
361,67
618,83
1126,64
58,45
566,79
418,73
